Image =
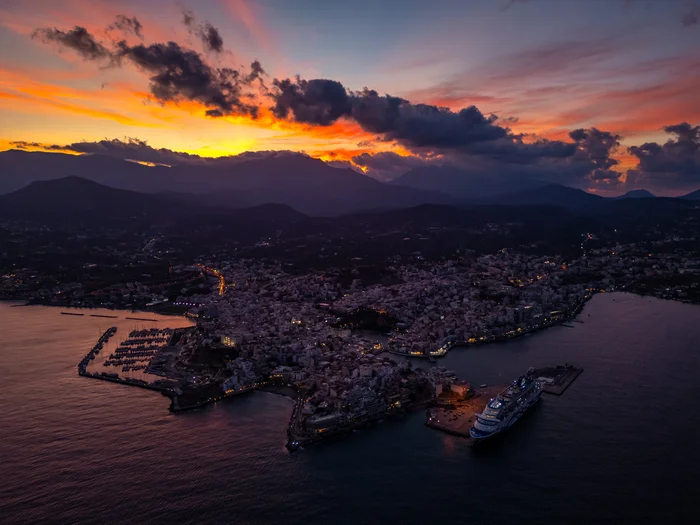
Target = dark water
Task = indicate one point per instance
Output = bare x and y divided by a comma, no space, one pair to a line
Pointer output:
621,446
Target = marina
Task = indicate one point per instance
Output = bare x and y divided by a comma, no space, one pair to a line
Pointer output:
137,352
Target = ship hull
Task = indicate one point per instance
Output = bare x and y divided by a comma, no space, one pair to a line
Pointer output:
479,435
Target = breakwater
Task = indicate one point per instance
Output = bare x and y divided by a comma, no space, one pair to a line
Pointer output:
82,366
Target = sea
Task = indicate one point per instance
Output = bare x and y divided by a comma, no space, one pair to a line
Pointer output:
621,446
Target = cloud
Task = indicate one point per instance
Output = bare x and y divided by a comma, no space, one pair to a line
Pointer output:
130,148
598,147
318,102
176,73
387,165
78,39
207,33
23,144
139,150
127,25
429,132
675,164
321,102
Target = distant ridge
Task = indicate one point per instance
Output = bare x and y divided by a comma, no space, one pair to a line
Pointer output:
693,196
550,195
637,194
463,185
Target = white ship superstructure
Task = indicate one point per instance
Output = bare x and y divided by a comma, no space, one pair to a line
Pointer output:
506,408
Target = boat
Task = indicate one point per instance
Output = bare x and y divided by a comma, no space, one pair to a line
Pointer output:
506,408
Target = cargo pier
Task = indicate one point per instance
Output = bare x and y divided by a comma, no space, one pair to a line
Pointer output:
555,380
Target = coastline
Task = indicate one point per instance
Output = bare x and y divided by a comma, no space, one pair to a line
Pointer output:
504,338
18,303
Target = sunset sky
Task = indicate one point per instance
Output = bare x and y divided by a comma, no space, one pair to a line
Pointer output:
543,67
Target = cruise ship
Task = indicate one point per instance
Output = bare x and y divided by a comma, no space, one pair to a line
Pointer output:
506,408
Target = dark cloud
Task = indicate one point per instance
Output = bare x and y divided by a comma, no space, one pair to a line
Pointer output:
130,148
387,165
139,150
674,164
178,73
23,144
78,39
207,33
513,150
322,102
256,73
127,25
344,164
423,125
598,147
318,102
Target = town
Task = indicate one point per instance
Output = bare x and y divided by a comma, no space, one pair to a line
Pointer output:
352,343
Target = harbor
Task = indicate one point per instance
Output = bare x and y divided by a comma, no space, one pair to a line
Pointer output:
456,410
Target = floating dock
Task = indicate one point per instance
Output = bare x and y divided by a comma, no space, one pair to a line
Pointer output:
71,313
555,380
141,319
104,316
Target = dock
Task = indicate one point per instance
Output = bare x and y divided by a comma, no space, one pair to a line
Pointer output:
72,313
459,417
555,380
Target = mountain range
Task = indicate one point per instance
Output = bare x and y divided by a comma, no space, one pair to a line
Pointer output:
305,184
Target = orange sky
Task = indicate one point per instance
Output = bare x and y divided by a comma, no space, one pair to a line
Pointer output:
547,85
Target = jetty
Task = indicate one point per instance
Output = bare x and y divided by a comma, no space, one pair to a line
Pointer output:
555,380
456,417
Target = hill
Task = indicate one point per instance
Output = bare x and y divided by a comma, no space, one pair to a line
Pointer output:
550,195
637,194
694,196
77,197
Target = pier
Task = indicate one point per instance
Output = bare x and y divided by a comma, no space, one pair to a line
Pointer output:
457,417
555,380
